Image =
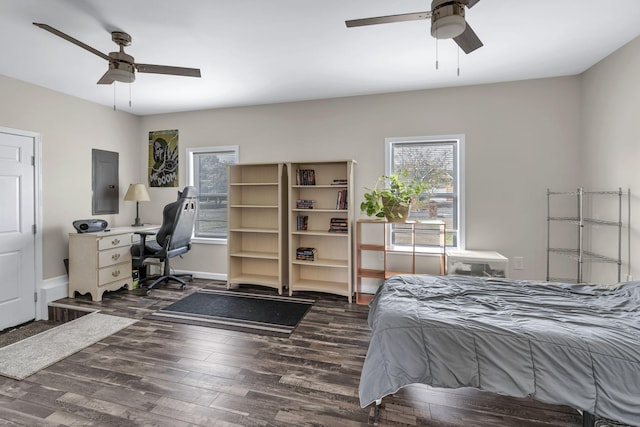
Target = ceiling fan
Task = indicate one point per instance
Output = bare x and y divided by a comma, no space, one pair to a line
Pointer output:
122,67
447,21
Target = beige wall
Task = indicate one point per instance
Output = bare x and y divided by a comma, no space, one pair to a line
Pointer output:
521,138
70,128
610,144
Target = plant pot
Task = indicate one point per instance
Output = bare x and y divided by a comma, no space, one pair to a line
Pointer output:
394,211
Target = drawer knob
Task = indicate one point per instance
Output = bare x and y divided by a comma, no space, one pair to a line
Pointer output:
115,273
115,241
115,257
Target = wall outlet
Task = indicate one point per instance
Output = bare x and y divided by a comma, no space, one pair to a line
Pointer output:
518,263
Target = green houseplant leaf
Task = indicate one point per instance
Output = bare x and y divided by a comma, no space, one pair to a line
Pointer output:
392,196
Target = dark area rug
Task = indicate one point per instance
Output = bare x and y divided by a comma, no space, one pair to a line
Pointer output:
241,311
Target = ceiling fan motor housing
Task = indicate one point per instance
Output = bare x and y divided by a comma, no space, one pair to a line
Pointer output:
121,67
447,19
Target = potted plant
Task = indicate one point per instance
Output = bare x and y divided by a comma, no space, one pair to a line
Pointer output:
392,197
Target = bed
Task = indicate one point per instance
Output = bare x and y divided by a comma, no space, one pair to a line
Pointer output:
569,344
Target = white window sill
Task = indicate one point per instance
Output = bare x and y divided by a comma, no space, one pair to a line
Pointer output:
208,241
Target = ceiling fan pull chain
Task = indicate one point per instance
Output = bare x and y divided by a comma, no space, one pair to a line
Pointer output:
458,61
129,95
114,96
436,49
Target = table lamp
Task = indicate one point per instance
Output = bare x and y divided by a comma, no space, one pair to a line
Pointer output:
137,193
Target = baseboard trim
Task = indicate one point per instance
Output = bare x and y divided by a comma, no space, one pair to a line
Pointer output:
58,287
51,290
204,275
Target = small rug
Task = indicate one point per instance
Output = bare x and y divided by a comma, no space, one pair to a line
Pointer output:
246,312
26,357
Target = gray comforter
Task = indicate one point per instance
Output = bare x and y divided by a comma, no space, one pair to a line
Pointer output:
568,344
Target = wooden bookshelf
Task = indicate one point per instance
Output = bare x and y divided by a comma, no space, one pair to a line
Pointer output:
256,225
331,194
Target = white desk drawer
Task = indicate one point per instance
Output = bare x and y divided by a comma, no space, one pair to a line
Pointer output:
114,256
114,241
115,272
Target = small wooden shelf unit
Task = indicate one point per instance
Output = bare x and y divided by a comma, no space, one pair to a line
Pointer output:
385,248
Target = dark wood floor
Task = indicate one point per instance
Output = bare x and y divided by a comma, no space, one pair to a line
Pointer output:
165,374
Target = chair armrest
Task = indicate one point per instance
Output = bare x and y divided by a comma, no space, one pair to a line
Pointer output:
146,233
143,239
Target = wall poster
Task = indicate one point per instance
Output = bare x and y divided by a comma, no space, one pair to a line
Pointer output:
163,158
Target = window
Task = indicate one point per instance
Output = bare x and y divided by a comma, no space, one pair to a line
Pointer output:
441,160
207,171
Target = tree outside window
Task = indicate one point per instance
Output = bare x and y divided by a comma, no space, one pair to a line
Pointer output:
435,161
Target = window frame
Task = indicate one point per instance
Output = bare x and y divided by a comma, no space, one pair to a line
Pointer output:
190,155
460,147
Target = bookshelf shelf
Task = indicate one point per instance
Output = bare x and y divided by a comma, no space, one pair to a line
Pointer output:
250,254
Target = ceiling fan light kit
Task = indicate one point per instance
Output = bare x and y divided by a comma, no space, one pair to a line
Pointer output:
447,19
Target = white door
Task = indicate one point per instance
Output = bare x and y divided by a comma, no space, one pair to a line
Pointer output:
17,237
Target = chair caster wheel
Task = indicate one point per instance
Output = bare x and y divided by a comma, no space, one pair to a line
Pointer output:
182,287
149,292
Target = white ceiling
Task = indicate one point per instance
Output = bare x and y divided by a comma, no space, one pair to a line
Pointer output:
258,52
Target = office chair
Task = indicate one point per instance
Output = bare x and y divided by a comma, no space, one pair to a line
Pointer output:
172,239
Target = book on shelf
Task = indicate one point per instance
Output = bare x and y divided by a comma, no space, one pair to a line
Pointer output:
341,200
339,181
302,223
306,254
339,225
304,204
305,177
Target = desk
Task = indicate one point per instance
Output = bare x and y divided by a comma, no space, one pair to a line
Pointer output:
101,261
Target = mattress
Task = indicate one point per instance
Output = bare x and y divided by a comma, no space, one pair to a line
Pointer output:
570,344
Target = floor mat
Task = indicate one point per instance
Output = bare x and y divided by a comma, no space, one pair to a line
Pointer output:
257,313
26,357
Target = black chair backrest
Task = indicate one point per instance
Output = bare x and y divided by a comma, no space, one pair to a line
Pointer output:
177,221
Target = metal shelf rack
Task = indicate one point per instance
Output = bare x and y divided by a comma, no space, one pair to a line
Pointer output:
579,253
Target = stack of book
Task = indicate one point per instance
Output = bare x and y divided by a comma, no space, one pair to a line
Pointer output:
305,177
341,201
302,222
306,254
339,225
304,204
339,181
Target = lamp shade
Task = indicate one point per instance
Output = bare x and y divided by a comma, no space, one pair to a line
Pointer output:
137,193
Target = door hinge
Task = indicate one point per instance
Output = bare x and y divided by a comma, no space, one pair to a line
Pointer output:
35,297
35,230
33,160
